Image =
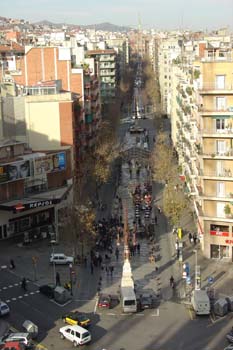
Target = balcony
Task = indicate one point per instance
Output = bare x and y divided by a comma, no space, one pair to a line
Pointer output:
225,197
216,111
225,174
217,133
218,155
213,88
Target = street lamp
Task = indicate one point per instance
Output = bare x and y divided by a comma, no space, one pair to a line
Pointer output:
71,279
54,265
197,273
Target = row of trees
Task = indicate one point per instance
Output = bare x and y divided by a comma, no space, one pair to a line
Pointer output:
166,170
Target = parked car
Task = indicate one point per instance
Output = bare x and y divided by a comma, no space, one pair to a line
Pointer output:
229,336
76,318
229,347
104,301
76,334
61,259
4,308
12,345
48,290
24,338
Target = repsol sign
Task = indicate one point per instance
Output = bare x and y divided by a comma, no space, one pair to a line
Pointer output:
40,204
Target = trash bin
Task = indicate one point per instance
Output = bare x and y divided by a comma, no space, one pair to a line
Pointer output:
230,303
61,295
221,307
31,328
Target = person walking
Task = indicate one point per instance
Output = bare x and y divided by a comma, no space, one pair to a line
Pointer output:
190,237
138,248
111,270
12,264
92,268
117,253
58,281
156,220
24,284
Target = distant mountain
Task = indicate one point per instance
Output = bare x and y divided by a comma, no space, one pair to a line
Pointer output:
108,27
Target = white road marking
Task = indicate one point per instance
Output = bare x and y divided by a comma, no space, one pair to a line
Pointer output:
139,314
20,297
95,308
3,267
111,314
4,288
16,284
32,293
157,313
26,295
10,286
8,301
13,299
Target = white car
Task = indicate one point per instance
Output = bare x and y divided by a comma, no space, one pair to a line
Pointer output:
61,259
4,308
76,334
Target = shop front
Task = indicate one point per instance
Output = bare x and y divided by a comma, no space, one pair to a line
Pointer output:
219,241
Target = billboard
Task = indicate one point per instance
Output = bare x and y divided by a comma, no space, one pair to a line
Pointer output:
50,163
14,171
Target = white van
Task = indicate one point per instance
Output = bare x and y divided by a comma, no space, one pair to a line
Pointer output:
61,259
128,299
200,302
76,334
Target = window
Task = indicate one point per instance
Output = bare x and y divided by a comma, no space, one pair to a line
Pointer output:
220,82
220,189
221,146
219,251
129,302
220,103
220,125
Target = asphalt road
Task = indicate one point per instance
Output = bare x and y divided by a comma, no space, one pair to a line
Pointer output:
170,325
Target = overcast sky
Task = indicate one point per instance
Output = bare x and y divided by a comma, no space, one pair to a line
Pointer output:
161,14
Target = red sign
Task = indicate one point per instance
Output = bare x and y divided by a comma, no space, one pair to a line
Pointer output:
219,233
229,241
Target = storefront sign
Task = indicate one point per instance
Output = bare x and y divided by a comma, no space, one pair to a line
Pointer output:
219,233
40,204
50,163
229,241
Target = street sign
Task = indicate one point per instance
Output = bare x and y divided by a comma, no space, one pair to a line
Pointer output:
210,280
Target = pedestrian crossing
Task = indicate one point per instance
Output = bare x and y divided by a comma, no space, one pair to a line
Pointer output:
22,296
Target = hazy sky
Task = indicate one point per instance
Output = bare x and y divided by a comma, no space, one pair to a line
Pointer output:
162,14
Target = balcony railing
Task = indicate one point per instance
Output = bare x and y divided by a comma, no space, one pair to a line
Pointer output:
228,153
214,86
215,173
218,195
210,131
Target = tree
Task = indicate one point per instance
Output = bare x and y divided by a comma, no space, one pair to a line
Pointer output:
163,165
175,203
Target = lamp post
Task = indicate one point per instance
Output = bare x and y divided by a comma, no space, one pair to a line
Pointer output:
54,265
71,279
197,273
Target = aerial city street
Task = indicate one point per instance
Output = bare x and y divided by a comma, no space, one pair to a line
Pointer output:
116,185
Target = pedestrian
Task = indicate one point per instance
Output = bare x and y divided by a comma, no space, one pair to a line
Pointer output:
24,284
159,210
111,270
190,237
12,264
58,281
100,260
176,245
178,253
117,253
107,269
138,248
85,261
195,238
92,268
156,220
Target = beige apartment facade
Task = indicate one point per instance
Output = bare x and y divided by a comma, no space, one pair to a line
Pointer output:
216,156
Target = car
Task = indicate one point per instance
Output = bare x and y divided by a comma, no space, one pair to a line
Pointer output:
229,347
136,130
61,259
48,290
104,301
4,308
146,301
24,338
13,345
76,318
229,336
76,334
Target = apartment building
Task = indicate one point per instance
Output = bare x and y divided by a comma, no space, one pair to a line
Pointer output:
168,50
107,71
216,154
34,187
202,111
